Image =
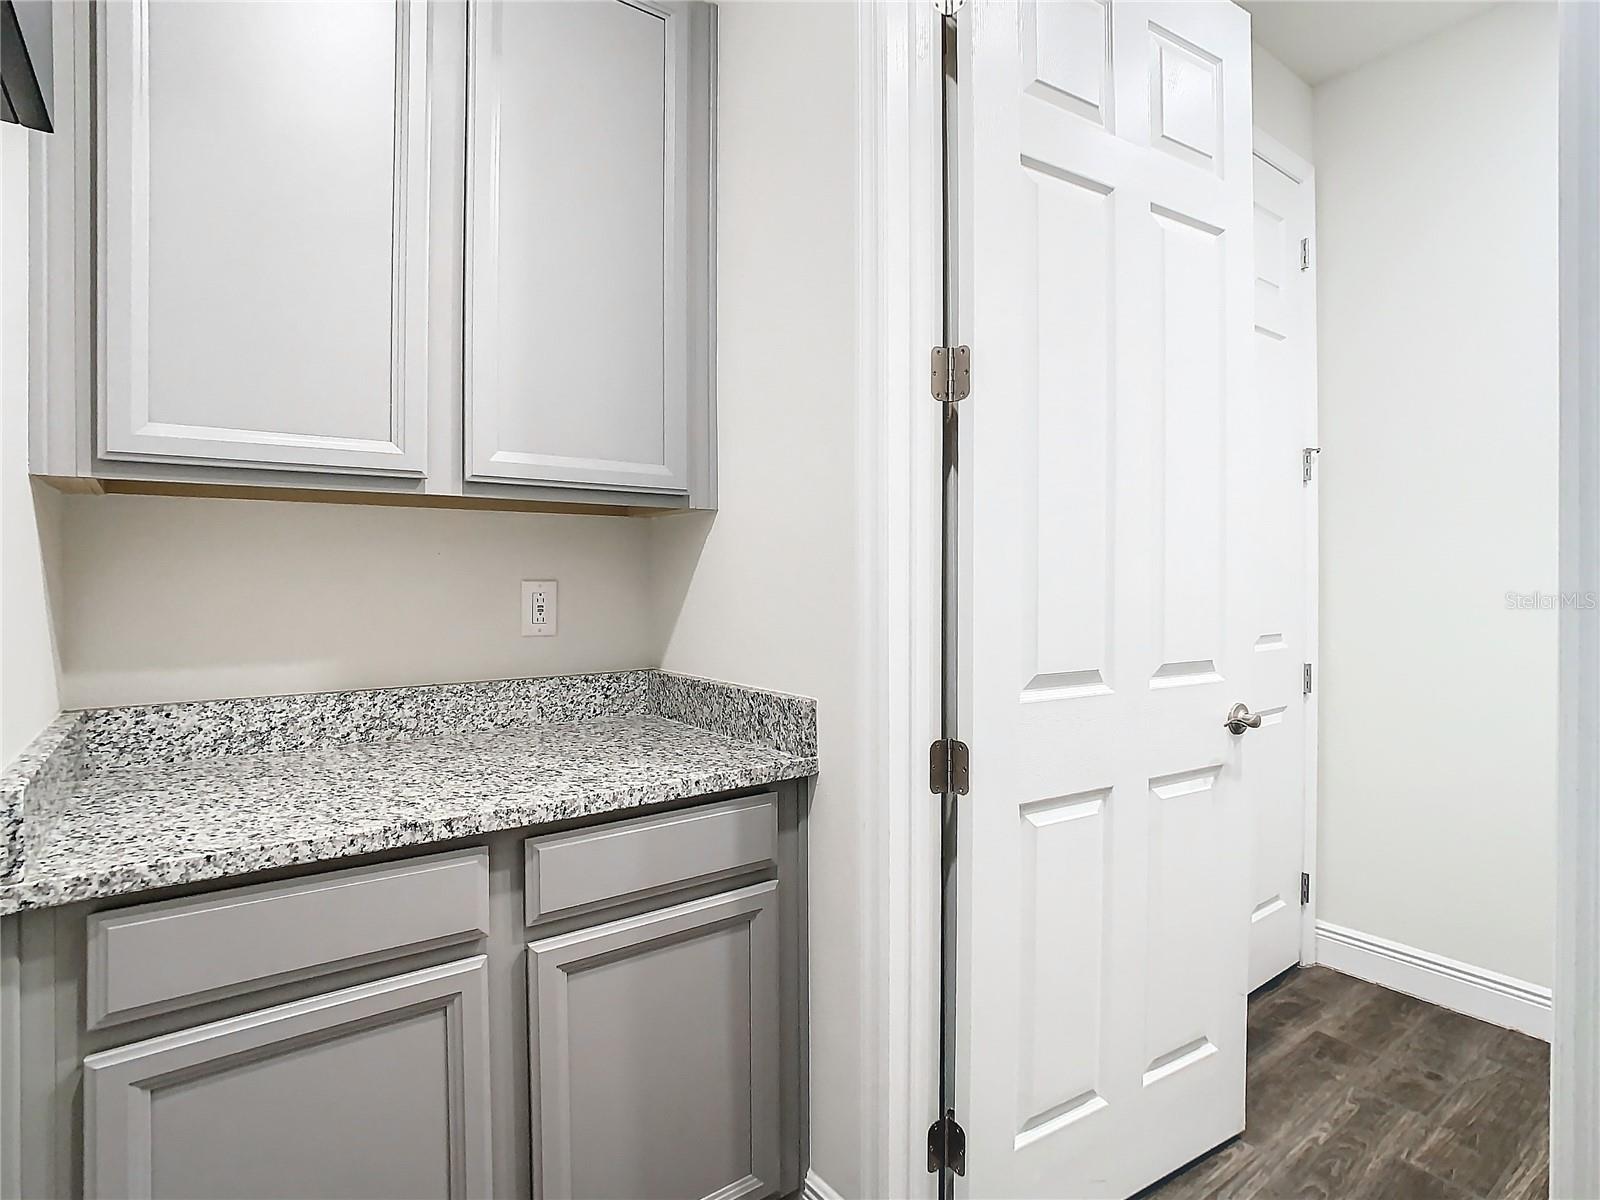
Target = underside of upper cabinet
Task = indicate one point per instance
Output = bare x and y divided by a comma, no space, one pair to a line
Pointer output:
388,251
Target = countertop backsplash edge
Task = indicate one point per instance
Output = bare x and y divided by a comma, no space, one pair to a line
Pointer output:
183,731
34,787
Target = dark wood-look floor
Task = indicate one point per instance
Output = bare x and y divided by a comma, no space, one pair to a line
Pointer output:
1359,1093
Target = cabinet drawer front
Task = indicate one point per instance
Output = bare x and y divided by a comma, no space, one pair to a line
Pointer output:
157,957
571,872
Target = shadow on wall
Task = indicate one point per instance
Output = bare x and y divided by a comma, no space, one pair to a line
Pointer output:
30,637
676,545
160,598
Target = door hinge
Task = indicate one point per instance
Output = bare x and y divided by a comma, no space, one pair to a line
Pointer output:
952,373
1306,457
1305,679
948,8
947,1145
1305,888
1305,254
947,767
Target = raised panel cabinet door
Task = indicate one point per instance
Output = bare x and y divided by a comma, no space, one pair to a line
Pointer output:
654,1047
581,216
262,242
375,1092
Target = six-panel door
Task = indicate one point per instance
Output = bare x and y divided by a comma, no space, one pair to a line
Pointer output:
1284,421
374,1092
654,1046
263,226
1108,607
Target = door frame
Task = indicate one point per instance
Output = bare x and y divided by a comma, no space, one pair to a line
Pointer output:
1575,1046
1278,156
899,293
897,129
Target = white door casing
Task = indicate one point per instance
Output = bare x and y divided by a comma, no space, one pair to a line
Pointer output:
263,225
1106,609
1286,366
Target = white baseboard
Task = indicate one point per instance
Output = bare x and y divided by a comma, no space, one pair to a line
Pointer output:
816,1188
1475,991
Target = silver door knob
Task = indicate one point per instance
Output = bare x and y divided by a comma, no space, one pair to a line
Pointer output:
1241,718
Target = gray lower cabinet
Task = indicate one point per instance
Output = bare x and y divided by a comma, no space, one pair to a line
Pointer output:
655,1044
615,1010
374,1092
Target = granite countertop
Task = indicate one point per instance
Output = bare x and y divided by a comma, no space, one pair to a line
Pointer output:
116,801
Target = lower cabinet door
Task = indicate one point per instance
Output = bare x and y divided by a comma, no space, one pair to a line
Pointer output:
379,1091
654,1045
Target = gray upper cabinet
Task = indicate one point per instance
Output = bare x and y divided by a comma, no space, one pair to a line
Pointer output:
430,251
655,1049
375,1092
587,310
263,203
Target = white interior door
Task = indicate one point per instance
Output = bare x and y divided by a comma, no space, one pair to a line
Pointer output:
1107,610
1286,364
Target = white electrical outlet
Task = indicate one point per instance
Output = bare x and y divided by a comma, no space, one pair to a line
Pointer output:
539,608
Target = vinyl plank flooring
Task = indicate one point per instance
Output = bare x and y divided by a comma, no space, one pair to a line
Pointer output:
1528,1178
1355,1092
1279,1019
1412,1083
1455,1046
1396,1179
1280,1095
1209,1175
1479,1130
1326,1159
1378,1021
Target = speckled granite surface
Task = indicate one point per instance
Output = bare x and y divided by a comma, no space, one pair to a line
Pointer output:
35,788
121,800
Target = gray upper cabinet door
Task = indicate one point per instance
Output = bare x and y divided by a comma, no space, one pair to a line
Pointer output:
655,1052
586,330
262,233
379,1091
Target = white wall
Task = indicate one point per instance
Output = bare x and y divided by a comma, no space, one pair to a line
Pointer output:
764,592
1282,102
1436,213
177,599
28,699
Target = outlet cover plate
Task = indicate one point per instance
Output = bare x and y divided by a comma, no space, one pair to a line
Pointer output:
539,608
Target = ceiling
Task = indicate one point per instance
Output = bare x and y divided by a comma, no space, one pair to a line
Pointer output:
1320,39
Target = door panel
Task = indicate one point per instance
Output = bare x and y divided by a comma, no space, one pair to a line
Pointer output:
375,1092
1062,915
1106,607
1072,222
264,214
578,305
1285,361
654,1043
